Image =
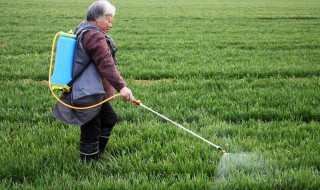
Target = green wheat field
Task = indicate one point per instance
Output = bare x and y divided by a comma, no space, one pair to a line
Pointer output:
243,74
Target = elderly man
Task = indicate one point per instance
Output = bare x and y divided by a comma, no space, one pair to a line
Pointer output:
95,61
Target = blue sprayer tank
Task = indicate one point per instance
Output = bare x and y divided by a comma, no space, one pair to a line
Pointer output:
62,73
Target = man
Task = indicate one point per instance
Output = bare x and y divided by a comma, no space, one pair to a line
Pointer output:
95,61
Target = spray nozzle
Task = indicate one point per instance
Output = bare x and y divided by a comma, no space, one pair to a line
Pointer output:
221,149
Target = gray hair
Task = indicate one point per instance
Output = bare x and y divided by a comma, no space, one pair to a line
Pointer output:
99,9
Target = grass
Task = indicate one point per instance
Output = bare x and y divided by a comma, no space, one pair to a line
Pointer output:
242,74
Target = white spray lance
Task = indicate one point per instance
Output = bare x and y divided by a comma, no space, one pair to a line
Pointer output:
137,102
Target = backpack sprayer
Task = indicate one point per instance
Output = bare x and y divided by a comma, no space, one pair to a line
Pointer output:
62,76
63,61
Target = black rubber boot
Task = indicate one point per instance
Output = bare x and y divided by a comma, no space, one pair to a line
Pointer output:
104,138
89,151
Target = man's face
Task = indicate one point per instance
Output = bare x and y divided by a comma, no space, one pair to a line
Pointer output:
106,24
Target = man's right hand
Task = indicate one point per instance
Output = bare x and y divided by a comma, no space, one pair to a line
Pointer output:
126,94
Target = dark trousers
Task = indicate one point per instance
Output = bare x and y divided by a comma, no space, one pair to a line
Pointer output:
96,133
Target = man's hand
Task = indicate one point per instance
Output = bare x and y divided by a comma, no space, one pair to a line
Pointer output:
126,94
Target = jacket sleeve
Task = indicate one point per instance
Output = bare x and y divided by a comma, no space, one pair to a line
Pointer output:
95,45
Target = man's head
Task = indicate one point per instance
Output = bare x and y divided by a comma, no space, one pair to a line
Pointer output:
101,13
